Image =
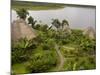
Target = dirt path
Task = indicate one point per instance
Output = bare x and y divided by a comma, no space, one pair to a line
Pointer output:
61,58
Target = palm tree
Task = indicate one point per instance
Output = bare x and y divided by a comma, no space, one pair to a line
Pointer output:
64,22
56,23
22,13
31,21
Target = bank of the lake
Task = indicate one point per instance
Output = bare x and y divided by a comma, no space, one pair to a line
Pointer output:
35,5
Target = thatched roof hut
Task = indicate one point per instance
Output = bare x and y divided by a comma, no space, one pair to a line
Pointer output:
90,32
20,29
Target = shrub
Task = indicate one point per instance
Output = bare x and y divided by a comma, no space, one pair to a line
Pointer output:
42,62
22,13
22,50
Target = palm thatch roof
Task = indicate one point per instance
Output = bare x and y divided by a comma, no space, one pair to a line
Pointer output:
90,32
20,29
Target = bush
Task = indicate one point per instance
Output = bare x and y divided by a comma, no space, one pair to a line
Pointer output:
20,55
46,47
80,63
88,46
21,50
42,62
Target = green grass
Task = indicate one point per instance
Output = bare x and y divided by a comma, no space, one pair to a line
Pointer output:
20,68
35,5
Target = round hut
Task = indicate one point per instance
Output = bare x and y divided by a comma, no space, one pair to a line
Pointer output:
90,32
20,29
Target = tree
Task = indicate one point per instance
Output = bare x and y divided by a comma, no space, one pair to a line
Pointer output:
31,21
64,22
38,26
22,13
56,23
44,28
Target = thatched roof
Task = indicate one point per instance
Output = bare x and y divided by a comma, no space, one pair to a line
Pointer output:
90,32
20,29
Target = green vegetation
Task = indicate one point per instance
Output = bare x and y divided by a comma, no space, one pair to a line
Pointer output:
22,14
35,6
40,54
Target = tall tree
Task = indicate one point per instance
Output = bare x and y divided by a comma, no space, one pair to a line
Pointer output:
31,21
64,22
56,23
22,13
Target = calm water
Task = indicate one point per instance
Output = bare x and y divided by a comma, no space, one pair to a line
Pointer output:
78,17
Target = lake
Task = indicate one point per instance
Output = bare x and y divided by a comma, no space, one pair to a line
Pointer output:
78,17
